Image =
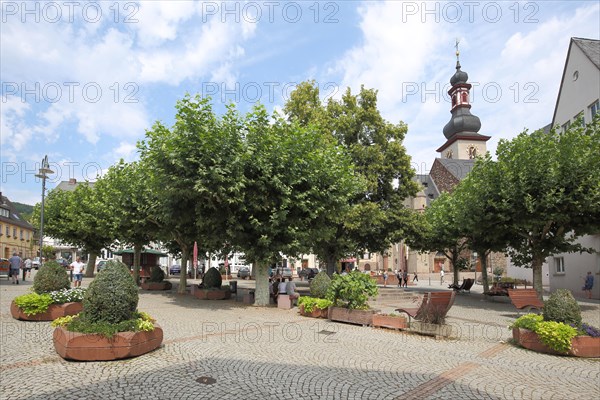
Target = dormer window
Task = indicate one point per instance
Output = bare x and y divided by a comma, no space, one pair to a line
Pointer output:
4,212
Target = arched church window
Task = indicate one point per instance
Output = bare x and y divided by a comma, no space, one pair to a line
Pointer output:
465,97
453,100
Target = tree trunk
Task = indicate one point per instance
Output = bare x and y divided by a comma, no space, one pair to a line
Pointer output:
331,264
137,255
91,265
185,254
261,294
455,270
484,276
537,276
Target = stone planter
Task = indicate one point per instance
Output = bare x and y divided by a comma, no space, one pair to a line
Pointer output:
54,311
389,321
358,317
436,330
581,346
94,347
164,285
209,294
316,312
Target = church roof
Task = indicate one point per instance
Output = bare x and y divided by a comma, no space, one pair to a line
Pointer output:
591,48
458,168
430,189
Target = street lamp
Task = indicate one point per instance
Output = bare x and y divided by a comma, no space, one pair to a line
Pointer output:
43,171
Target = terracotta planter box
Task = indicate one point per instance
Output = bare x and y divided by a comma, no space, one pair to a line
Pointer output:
94,347
388,321
164,285
581,346
358,317
54,311
436,330
316,312
205,294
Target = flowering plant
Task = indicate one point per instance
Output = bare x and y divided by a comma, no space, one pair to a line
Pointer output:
67,295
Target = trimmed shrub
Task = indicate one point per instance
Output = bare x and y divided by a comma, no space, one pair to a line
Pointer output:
52,276
212,279
561,306
156,274
112,296
320,284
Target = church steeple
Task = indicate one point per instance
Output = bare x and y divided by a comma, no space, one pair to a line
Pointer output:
463,125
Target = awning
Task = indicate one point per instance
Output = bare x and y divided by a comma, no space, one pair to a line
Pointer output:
145,251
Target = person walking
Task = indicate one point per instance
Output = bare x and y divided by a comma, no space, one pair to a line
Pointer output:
385,276
405,278
77,269
399,277
15,266
442,276
415,277
28,266
589,284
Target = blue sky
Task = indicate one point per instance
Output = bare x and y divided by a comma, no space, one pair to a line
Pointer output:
81,81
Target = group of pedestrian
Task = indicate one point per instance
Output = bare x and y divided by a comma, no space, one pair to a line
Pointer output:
278,286
402,276
19,266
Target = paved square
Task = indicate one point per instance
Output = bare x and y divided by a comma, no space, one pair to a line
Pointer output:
228,350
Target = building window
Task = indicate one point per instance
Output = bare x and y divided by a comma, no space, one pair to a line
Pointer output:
0,229
559,265
22,237
594,108
15,233
4,213
566,126
7,231
27,235
580,116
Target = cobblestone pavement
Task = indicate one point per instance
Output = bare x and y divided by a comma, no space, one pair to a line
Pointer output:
268,353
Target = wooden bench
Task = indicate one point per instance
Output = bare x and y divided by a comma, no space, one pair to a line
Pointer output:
525,299
441,300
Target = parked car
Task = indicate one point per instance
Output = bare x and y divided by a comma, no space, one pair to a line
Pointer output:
243,272
175,269
286,272
308,273
63,262
35,263
100,265
4,266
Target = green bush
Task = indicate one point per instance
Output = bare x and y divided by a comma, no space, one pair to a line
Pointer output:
33,303
528,321
156,274
212,279
310,303
52,276
112,297
352,291
140,321
556,335
320,284
561,306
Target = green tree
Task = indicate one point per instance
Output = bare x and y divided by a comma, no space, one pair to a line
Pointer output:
193,173
375,217
550,192
294,178
79,218
480,211
127,197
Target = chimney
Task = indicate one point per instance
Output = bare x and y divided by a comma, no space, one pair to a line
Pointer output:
72,181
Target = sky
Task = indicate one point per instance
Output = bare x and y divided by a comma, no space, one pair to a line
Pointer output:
82,81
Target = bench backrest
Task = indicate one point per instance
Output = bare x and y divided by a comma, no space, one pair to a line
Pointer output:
443,300
520,297
468,284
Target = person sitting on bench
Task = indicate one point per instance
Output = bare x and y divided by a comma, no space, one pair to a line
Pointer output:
291,290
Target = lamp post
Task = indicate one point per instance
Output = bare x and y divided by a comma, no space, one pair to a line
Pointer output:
43,171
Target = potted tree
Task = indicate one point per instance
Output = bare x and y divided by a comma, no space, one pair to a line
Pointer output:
349,295
559,330
109,327
212,287
317,305
156,280
51,298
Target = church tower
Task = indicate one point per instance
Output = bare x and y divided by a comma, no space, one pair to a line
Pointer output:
463,142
